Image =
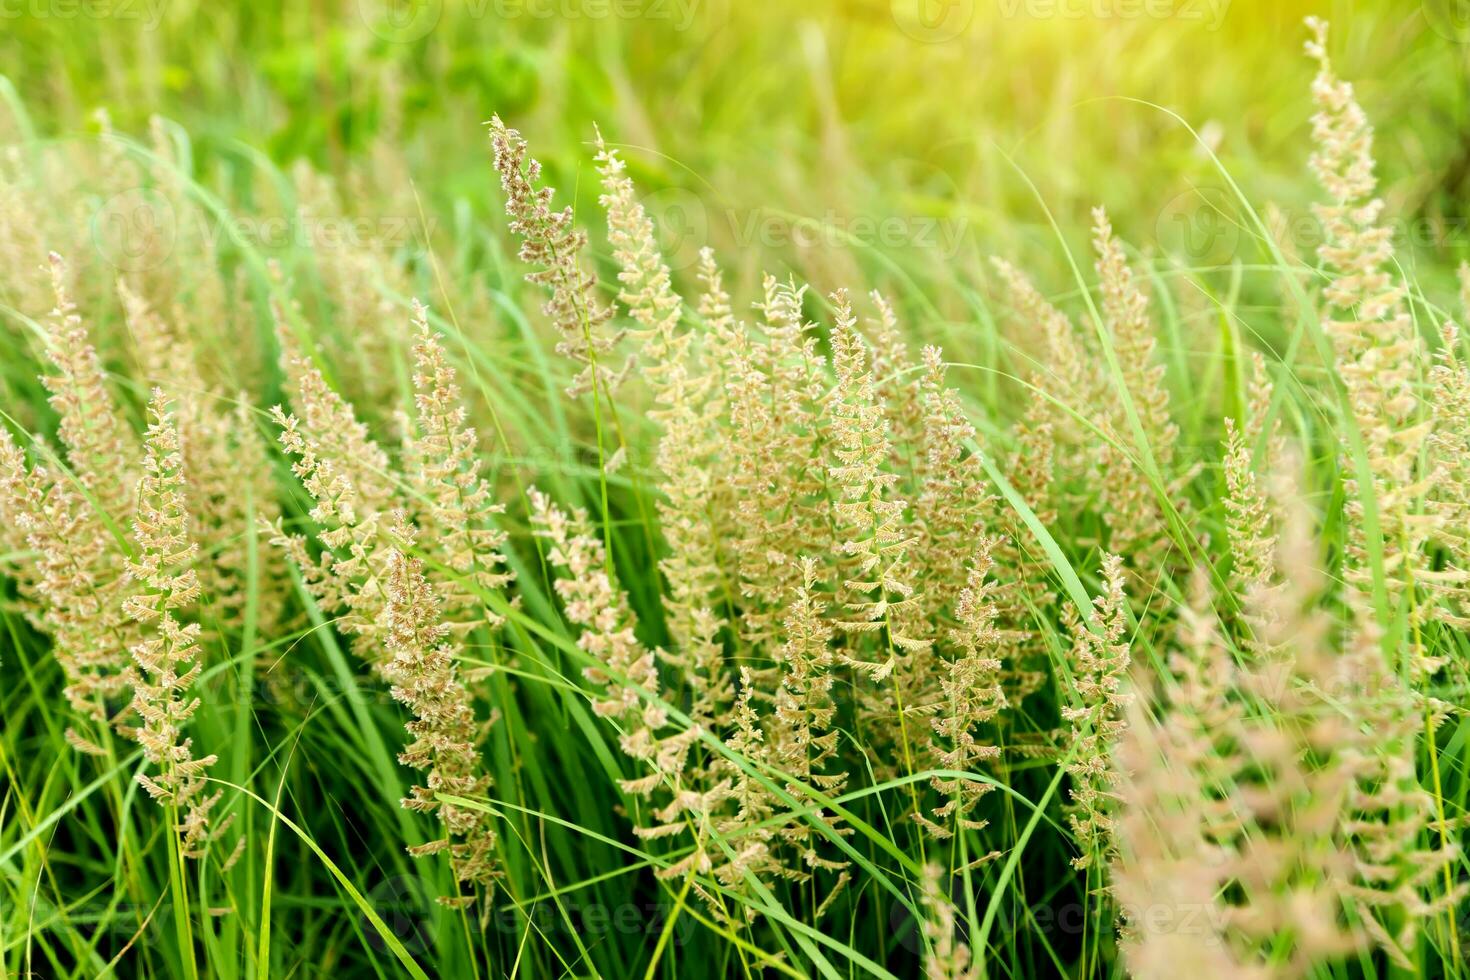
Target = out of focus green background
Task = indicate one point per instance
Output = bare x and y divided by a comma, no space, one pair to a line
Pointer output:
913,136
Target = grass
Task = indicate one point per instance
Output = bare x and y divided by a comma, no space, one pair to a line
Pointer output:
786,141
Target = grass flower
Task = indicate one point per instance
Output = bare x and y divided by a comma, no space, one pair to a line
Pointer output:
688,443
445,734
1377,349
973,699
1128,501
167,662
454,512
100,447
553,245
1099,662
870,520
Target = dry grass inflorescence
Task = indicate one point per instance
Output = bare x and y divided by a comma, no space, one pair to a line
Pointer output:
834,638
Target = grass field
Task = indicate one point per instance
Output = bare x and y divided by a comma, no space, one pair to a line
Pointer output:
939,488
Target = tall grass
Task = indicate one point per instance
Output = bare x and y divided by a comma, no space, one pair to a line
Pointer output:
604,614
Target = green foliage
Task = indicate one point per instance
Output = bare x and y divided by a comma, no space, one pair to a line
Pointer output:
322,165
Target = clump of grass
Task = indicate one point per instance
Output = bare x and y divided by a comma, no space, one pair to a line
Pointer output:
166,662
446,734
792,630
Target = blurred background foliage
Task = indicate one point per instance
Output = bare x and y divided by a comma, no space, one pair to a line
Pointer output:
751,121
